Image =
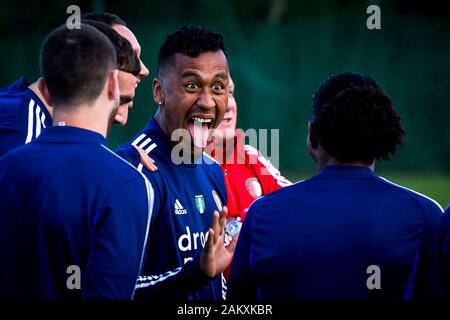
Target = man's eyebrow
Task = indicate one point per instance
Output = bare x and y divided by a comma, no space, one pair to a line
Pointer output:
188,73
222,75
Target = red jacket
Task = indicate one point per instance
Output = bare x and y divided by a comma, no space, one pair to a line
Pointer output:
248,175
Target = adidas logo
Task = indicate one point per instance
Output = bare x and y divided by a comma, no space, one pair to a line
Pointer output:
179,208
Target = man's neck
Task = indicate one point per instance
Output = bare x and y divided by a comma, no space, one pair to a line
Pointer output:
322,159
82,117
159,118
35,88
334,162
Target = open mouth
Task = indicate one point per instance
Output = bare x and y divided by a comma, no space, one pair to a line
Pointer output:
199,129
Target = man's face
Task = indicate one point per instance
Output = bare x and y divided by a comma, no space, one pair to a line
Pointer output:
127,86
227,127
127,81
194,93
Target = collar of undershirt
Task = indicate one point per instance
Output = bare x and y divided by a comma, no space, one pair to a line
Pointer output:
70,134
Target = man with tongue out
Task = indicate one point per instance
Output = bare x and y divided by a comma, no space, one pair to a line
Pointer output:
186,254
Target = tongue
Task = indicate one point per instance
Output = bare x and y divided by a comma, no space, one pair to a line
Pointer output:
199,133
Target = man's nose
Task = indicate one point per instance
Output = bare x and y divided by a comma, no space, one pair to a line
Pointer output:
144,71
206,101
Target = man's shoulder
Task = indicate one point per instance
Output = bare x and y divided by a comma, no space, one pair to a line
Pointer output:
255,158
18,86
428,204
15,91
127,152
284,197
18,106
11,105
119,166
209,163
145,140
16,154
21,160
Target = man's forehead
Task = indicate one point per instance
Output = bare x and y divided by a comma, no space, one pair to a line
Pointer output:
127,34
206,61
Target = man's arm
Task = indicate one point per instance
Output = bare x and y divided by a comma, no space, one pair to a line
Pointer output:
120,233
436,283
195,274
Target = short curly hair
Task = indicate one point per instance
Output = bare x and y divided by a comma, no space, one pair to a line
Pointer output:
354,119
189,40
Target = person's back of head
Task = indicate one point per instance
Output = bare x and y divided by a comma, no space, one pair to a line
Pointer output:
75,65
127,59
353,120
105,17
191,41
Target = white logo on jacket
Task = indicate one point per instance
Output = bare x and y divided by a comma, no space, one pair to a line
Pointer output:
179,208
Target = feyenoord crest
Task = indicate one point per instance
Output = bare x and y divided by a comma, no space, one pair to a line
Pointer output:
200,203
253,187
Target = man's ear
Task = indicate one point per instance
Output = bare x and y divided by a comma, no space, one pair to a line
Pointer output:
112,84
313,139
158,95
312,143
43,88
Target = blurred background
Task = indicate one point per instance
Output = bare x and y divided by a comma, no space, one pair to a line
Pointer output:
279,52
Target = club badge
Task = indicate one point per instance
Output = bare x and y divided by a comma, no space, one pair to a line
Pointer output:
232,227
200,203
253,187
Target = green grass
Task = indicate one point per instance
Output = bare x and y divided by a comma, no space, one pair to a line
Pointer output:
432,185
436,186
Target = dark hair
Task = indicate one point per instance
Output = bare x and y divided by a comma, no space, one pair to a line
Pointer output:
127,59
105,17
75,64
191,41
354,120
